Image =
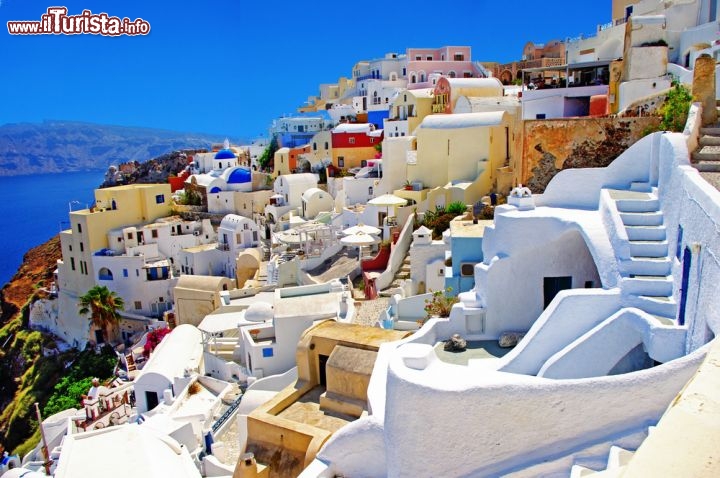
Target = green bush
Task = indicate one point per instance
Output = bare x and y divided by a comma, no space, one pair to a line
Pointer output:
676,108
456,207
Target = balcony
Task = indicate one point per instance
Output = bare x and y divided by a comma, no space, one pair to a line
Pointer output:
223,246
439,108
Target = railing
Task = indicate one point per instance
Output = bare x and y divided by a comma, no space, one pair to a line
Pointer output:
225,416
438,108
223,246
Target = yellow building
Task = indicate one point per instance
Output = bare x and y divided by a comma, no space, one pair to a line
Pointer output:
334,362
407,111
458,155
114,207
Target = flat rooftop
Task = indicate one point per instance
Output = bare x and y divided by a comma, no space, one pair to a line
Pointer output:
468,229
307,410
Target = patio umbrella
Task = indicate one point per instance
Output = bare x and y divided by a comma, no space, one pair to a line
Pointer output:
359,239
388,200
361,228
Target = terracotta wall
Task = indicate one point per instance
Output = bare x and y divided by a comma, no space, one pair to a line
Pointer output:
553,145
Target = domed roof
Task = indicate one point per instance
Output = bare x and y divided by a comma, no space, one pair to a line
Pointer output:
259,312
239,175
225,154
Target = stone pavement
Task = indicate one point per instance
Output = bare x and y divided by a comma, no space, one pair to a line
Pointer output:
368,311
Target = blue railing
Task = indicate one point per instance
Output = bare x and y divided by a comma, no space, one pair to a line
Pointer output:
225,416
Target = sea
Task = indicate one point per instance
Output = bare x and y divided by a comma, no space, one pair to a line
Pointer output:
35,208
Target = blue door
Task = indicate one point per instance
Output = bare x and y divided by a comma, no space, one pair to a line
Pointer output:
686,260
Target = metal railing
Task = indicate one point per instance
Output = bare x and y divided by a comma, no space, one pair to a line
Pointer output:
226,416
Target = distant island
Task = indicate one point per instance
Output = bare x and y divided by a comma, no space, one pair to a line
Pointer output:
63,146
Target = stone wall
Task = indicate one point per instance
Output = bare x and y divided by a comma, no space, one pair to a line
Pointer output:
557,144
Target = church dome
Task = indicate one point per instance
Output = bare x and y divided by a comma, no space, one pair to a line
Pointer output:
239,175
225,154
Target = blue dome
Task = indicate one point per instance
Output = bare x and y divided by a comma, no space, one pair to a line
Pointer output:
239,175
225,154
215,189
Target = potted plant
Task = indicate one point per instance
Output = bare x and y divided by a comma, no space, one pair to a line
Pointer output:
408,186
254,333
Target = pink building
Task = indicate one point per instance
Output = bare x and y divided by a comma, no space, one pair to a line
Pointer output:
427,64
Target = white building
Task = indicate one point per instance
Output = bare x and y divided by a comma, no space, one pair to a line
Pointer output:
315,201
169,369
636,245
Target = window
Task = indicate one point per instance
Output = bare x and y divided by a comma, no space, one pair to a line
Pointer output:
255,236
125,272
119,239
459,57
451,74
404,72
429,58
80,228
105,274
72,263
160,198
351,140
467,74
467,269
370,191
82,247
267,352
154,233
314,146
130,236
418,57
138,305
326,145
341,161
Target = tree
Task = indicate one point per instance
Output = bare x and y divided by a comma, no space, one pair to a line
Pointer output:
266,158
103,305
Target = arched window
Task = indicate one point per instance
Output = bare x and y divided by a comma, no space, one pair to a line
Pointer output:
451,74
412,78
105,274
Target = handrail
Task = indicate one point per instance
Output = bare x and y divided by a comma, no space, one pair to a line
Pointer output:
225,416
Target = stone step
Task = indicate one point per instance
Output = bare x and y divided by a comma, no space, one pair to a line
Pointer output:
646,233
713,131
642,218
708,140
664,306
648,285
402,275
405,268
638,205
652,266
708,166
648,248
706,153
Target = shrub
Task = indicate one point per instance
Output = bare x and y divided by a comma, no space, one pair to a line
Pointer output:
154,337
676,108
456,207
440,304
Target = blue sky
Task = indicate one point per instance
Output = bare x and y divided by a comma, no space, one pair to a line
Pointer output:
230,67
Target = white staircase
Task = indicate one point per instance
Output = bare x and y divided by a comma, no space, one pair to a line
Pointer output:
646,275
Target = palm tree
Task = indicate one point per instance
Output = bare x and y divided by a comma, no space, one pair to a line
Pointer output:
104,306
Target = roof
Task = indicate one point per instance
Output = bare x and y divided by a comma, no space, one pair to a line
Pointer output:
463,120
422,92
102,452
197,282
475,83
181,349
352,128
311,192
225,154
231,221
300,178
238,175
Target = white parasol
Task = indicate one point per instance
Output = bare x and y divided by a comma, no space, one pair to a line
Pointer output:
364,228
359,239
